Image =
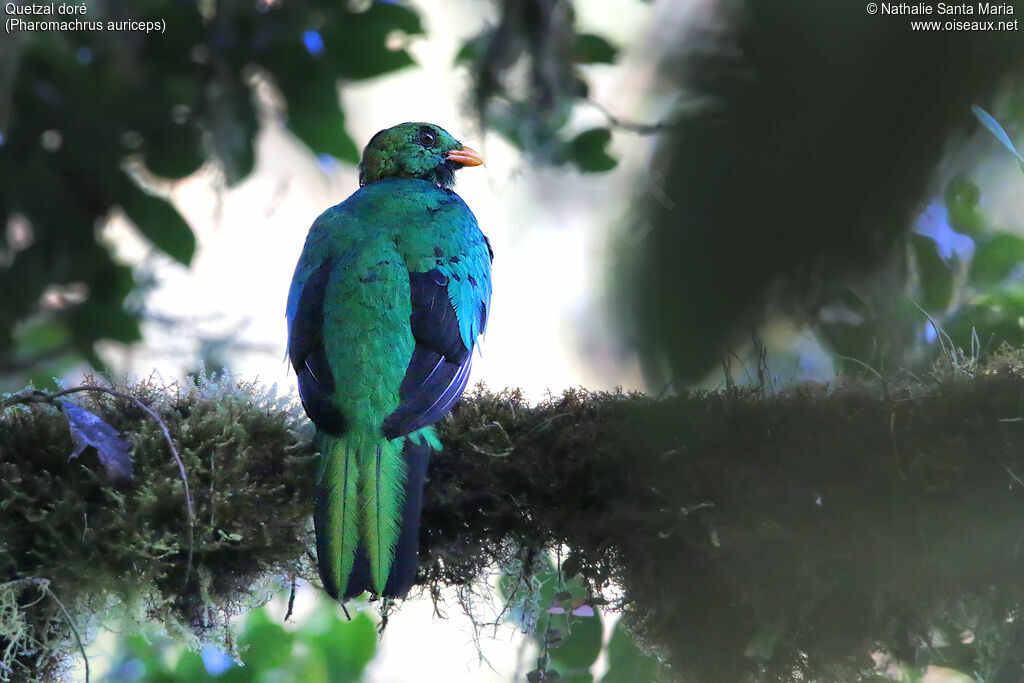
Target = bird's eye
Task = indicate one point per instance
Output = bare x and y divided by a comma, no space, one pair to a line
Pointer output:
426,137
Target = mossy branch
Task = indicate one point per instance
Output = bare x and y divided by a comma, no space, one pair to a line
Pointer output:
29,396
752,534
124,549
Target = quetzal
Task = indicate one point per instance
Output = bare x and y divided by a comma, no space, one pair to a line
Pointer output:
388,300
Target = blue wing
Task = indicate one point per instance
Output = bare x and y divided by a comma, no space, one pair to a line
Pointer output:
449,308
438,371
306,351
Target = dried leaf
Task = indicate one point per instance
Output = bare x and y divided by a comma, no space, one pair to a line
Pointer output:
87,429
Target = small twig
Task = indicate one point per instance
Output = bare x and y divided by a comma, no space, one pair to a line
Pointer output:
291,601
44,587
876,373
940,334
632,126
71,622
26,581
1013,475
892,440
665,389
36,396
746,372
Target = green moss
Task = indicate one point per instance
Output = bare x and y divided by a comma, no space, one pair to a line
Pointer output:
754,536
769,537
123,550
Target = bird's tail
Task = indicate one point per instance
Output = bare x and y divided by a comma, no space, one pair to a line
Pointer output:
336,515
402,575
368,499
381,489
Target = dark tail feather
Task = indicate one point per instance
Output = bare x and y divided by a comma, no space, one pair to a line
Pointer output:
403,570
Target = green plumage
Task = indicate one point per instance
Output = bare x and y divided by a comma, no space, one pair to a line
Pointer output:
338,472
387,301
365,474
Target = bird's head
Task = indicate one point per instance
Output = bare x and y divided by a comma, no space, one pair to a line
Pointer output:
415,150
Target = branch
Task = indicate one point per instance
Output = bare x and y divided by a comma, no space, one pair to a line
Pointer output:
246,451
824,517
34,396
631,126
651,128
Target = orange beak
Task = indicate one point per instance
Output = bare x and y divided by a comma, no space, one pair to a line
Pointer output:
465,156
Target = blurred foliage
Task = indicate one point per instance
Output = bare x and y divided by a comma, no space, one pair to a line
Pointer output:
326,647
528,76
957,285
996,129
94,121
961,289
796,181
563,618
97,121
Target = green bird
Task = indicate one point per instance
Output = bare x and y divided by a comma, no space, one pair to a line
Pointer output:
388,300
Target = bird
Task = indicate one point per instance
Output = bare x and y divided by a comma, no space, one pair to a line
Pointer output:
389,299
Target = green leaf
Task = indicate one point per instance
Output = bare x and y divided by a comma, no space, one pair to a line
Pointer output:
346,647
357,47
587,151
111,283
39,334
316,118
935,277
472,49
993,126
190,668
149,653
577,644
176,154
997,317
393,16
234,125
995,258
589,48
581,648
962,198
264,644
626,661
157,220
93,320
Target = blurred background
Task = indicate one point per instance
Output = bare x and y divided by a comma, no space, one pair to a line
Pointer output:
678,194
221,302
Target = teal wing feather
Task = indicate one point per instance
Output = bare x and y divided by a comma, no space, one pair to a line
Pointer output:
450,287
